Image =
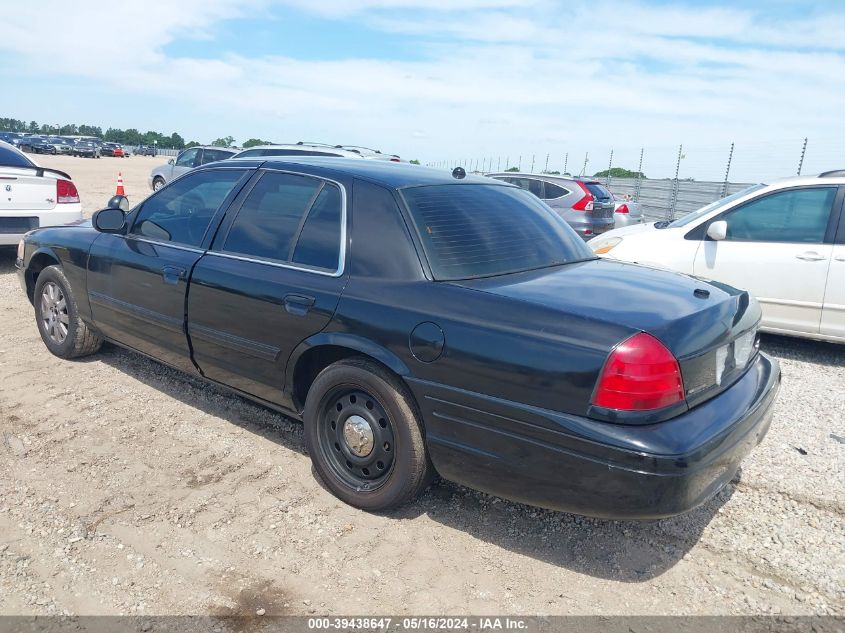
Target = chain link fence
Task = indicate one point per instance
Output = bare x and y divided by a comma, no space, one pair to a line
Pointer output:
683,178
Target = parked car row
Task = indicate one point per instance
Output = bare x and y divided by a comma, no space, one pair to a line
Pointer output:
73,146
197,156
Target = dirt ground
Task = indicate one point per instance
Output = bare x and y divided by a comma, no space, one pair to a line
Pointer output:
129,488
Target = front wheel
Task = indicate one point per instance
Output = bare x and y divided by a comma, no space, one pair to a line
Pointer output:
364,436
64,333
158,183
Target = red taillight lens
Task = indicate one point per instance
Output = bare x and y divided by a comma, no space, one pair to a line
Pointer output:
395,160
639,375
585,203
622,208
66,192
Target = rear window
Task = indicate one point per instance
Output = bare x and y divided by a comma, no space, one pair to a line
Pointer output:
470,231
598,190
11,158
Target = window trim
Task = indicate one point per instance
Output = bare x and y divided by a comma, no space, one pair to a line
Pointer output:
829,234
341,266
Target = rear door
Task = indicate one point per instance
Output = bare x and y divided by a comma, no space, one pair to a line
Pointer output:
186,161
273,277
137,282
778,247
833,311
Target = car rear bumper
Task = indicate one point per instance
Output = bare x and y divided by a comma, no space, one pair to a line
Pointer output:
10,235
626,219
593,468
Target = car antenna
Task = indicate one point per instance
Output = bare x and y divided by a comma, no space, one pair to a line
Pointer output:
459,173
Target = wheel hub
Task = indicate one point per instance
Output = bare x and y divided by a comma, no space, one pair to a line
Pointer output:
358,435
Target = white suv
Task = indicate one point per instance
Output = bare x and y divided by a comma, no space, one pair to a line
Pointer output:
32,196
317,149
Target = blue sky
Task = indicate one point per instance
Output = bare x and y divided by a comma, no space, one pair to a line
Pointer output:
450,80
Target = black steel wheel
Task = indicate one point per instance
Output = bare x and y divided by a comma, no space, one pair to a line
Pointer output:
356,437
364,436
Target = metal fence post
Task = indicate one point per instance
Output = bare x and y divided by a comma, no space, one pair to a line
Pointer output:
566,162
639,177
676,184
803,152
532,163
586,160
519,166
499,164
507,162
609,167
728,171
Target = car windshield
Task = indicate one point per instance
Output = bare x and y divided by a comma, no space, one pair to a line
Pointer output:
691,217
469,231
12,158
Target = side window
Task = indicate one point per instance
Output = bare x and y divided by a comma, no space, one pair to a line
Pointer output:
797,215
529,184
211,155
554,191
272,216
182,212
186,158
319,242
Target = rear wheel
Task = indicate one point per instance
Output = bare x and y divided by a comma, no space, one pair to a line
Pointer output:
64,333
158,183
364,436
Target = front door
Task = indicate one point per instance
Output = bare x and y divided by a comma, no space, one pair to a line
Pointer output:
272,278
776,248
833,313
185,162
137,282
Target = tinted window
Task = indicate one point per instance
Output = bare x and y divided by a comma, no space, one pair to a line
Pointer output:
598,190
529,184
186,158
211,155
271,216
182,211
554,191
481,230
12,158
798,215
319,242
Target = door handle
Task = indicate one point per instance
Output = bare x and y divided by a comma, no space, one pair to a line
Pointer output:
172,274
811,256
298,305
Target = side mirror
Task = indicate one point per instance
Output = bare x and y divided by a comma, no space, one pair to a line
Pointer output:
717,230
110,220
171,162
118,202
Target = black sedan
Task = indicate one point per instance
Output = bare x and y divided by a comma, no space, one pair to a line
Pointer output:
86,149
421,322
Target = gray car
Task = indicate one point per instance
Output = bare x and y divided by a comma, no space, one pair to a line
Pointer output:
627,212
584,203
185,161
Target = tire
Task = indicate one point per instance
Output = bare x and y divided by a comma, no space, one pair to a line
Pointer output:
57,314
158,183
381,415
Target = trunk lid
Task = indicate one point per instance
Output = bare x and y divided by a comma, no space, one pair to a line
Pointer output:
23,190
706,326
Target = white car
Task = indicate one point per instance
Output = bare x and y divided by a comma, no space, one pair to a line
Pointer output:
784,242
32,196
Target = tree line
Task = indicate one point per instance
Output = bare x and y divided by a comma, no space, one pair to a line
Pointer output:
129,136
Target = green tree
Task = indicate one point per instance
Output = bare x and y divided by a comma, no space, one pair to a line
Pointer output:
191,144
415,162
512,169
33,127
552,173
226,141
618,172
176,141
254,141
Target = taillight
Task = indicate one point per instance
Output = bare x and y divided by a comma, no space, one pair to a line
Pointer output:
585,203
639,375
66,192
622,208
395,160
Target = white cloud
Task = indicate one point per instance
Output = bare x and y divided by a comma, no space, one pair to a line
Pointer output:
496,78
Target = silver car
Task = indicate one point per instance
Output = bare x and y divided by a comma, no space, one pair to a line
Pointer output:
627,212
303,148
584,203
185,161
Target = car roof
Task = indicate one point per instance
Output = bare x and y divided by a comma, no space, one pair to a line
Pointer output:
305,147
527,174
834,177
385,173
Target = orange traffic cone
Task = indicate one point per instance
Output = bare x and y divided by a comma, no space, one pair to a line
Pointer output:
120,190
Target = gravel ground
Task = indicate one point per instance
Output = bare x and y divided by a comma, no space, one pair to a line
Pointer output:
128,488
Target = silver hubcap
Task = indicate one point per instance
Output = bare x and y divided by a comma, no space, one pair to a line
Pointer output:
54,317
157,185
358,435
